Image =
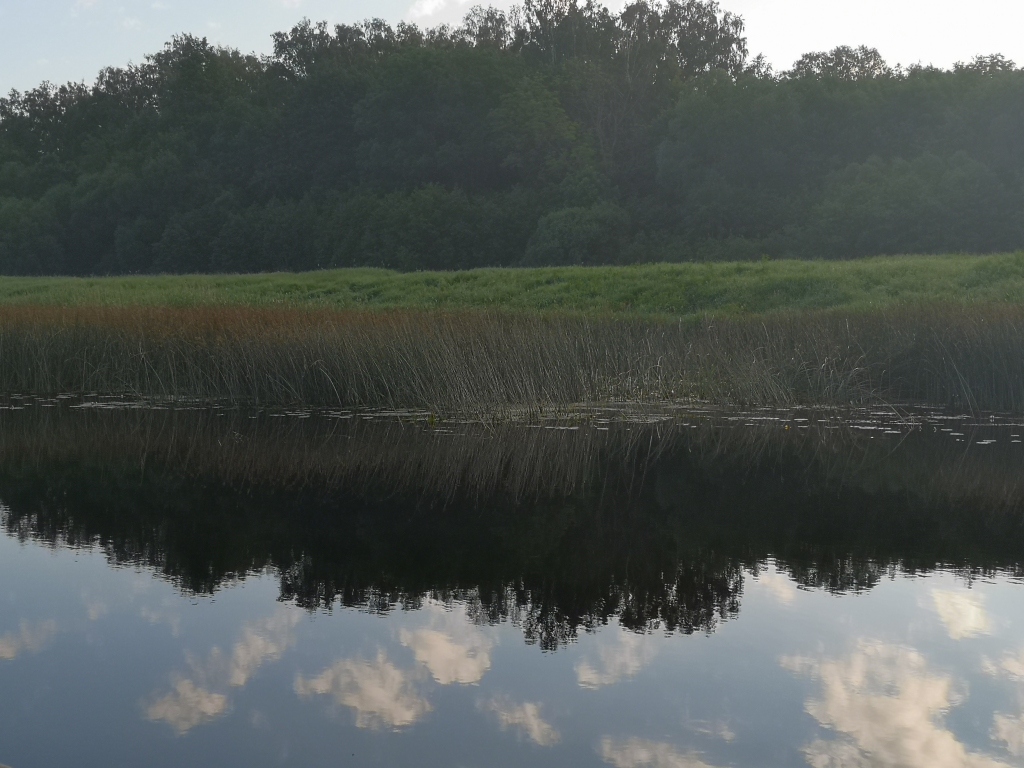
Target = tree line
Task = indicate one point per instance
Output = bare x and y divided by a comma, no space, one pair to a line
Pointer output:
559,132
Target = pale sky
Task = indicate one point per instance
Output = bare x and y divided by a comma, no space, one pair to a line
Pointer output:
62,40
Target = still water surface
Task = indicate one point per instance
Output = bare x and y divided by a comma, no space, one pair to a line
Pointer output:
687,589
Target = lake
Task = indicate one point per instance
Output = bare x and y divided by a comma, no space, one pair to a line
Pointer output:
679,587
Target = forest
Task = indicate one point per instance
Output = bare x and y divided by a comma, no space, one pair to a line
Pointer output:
558,133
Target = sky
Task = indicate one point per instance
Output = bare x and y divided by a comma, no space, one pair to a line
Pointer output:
71,40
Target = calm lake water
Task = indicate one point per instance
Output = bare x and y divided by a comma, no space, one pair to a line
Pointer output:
680,589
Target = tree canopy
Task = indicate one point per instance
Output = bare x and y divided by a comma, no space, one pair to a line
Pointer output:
557,133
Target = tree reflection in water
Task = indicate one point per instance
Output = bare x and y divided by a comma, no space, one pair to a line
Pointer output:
654,520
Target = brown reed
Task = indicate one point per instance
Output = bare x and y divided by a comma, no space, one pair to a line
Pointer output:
503,364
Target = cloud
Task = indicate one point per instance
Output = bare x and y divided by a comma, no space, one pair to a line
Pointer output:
426,9
199,697
187,705
641,753
625,658
451,659
961,612
525,718
377,690
30,638
887,707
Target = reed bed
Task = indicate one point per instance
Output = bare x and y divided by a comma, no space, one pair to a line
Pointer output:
507,364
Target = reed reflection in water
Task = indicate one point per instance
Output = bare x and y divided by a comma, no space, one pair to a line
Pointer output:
654,519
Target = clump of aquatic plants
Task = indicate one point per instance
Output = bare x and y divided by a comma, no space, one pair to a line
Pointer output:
507,364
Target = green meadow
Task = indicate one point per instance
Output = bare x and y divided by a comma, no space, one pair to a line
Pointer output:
726,289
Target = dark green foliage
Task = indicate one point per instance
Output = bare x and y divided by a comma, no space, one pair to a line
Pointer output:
924,204
849,158
591,235
560,133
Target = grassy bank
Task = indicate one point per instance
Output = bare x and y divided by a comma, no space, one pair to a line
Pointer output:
660,290
501,363
943,330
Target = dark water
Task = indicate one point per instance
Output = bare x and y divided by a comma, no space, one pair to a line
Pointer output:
677,590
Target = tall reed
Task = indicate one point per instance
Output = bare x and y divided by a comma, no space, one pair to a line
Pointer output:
507,363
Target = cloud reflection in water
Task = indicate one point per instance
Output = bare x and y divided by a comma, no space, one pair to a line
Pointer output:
961,612
380,693
261,642
620,660
187,706
30,638
777,584
526,718
887,707
642,753
1009,729
194,699
452,649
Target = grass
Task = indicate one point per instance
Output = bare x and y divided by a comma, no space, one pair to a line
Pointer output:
657,290
945,330
505,364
